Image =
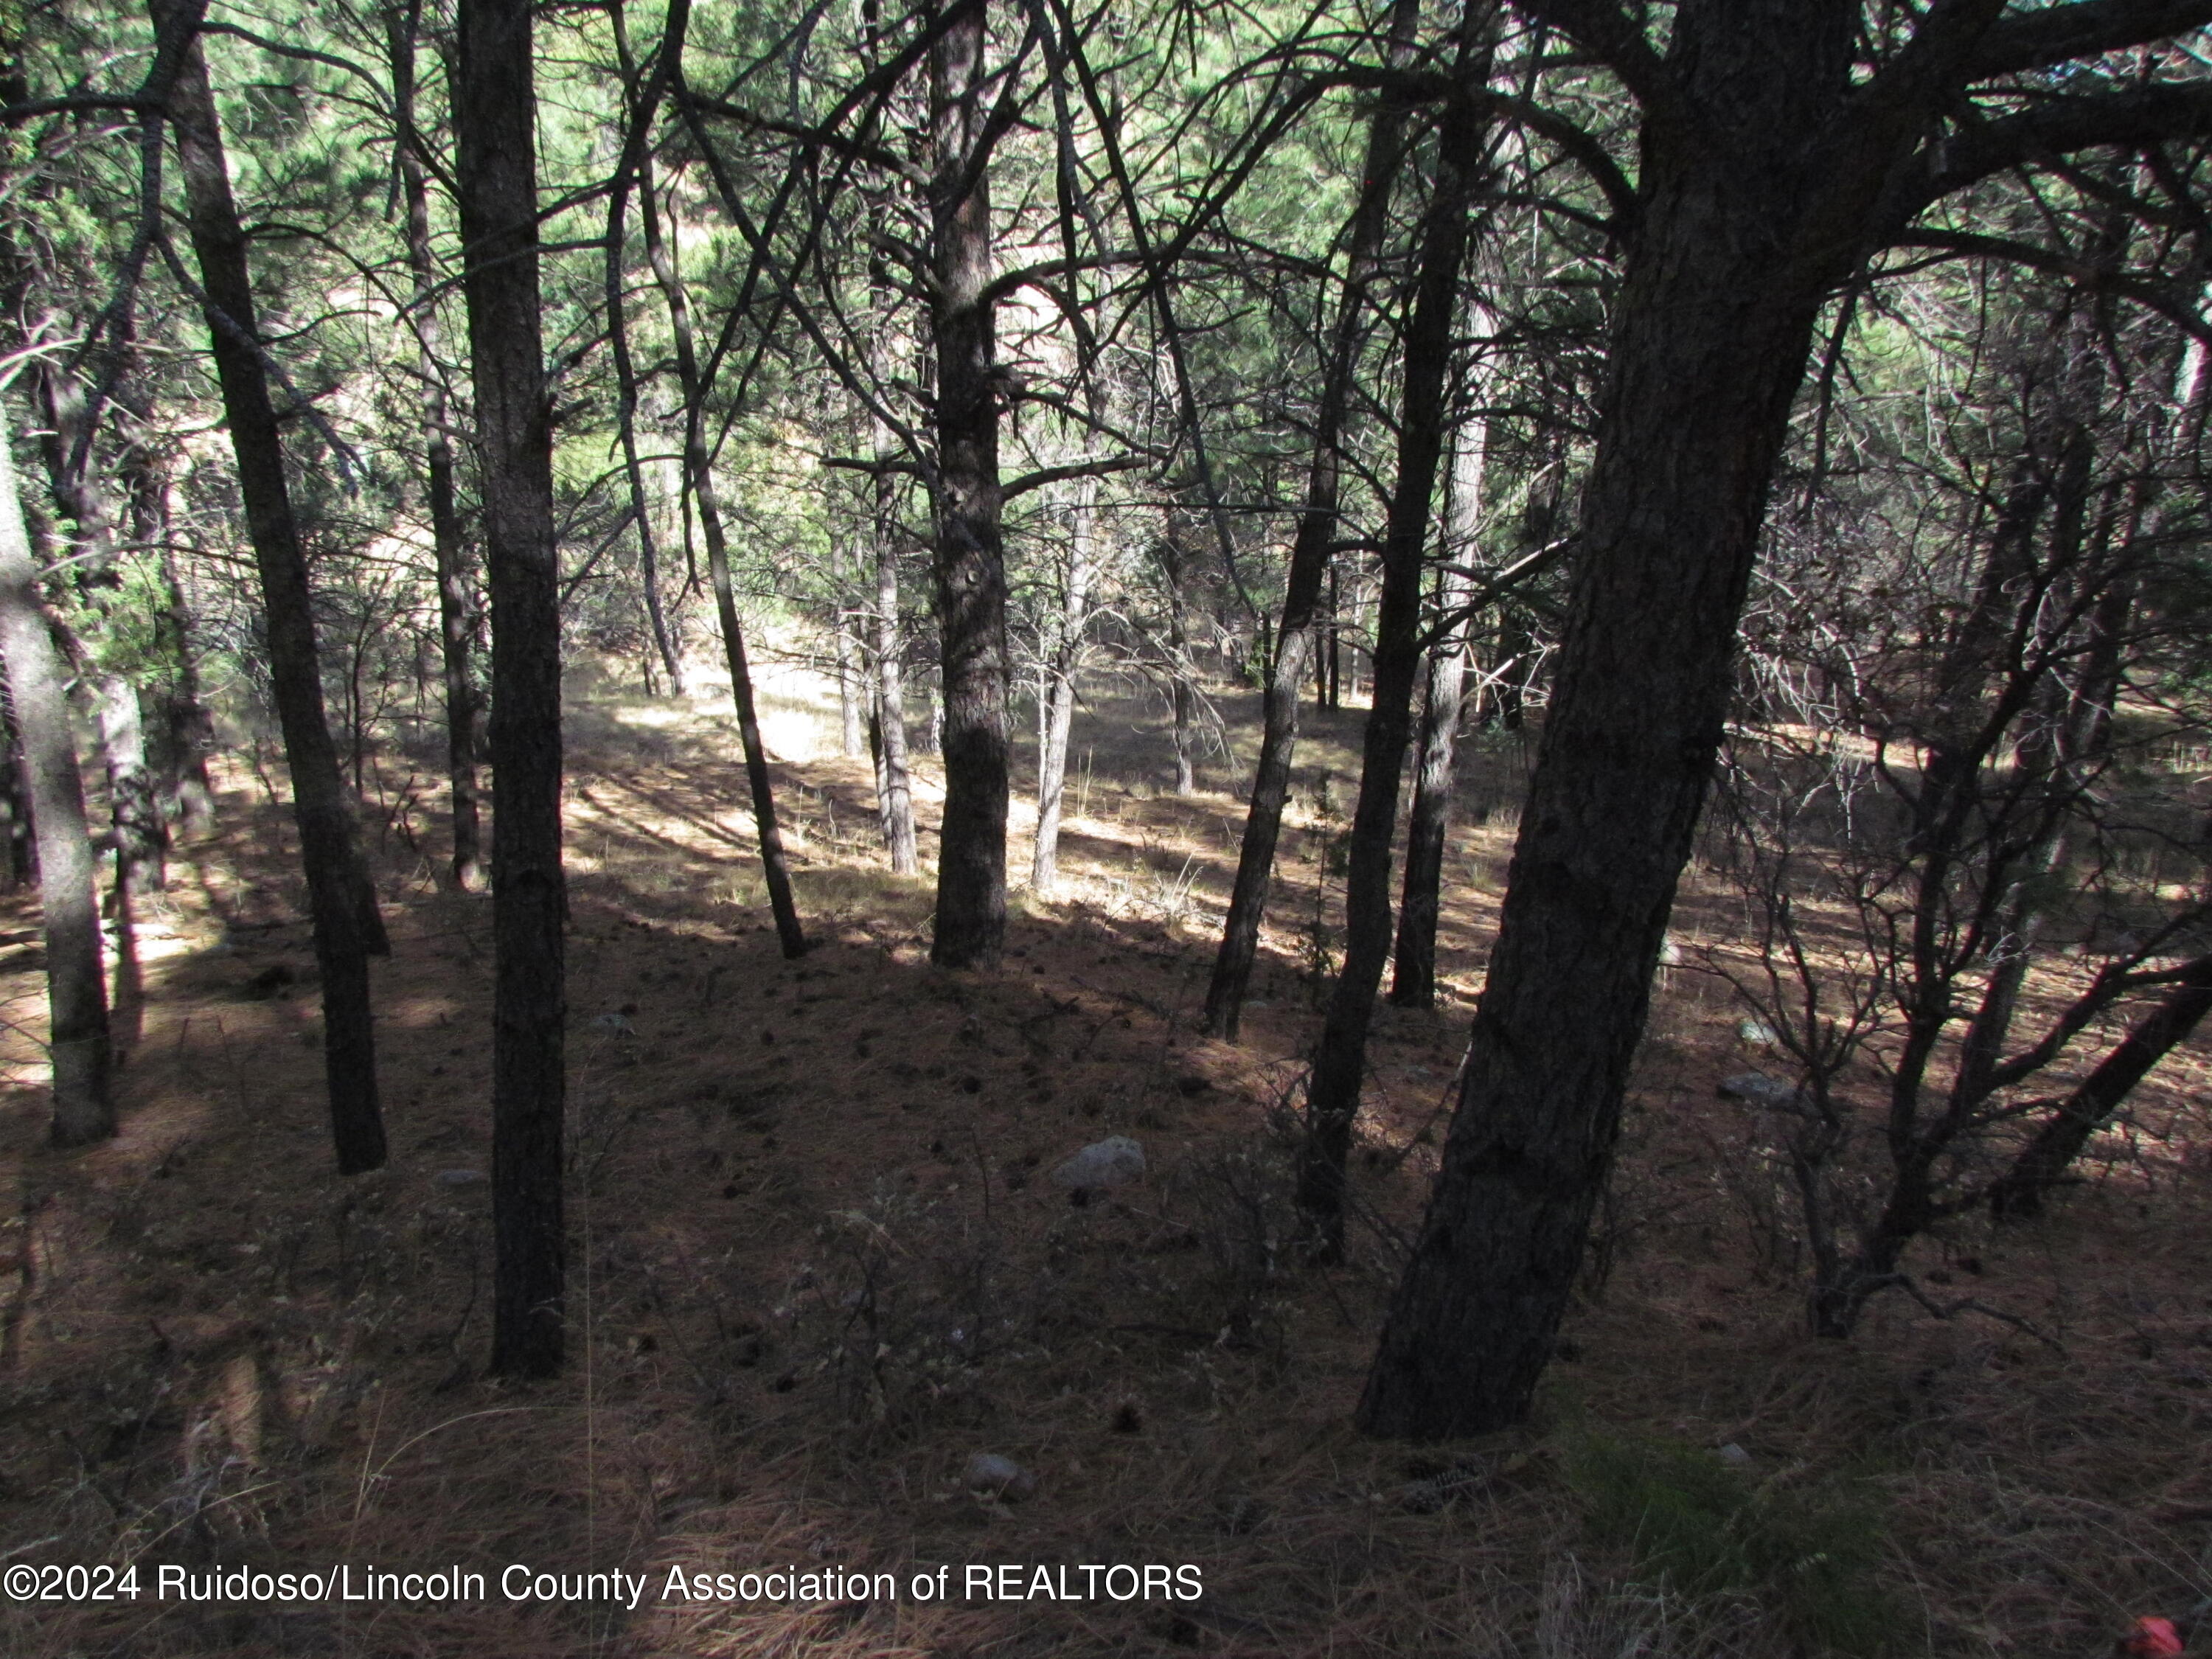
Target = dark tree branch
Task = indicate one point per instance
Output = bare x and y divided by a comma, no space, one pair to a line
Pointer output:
2139,117
1047,475
1612,37
2054,34
2085,274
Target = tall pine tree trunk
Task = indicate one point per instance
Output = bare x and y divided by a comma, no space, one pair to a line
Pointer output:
1749,211
1310,561
1333,1093
341,898
970,557
76,994
457,606
495,128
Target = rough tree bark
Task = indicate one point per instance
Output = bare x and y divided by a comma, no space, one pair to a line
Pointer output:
970,557
1340,1059
495,128
1310,561
456,601
1767,165
38,682
341,900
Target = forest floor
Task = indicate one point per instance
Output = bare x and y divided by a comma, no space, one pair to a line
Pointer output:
819,1264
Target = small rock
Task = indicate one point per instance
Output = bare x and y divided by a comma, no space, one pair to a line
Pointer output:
1114,1162
1760,1090
1758,1032
1670,953
458,1177
1735,1456
615,1023
1000,1477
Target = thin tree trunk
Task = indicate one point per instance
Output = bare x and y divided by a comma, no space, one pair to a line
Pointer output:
790,934
774,866
894,788
1058,711
457,604
341,900
495,128
1332,1093
1336,635
2043,1162
1183,699
894,778
849,688
1413,977
18,867
1736,243
184,792
1310,561
137,830
141,837
77,992
649,547
641,114
971,557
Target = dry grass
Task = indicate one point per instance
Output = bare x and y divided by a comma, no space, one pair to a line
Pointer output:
819,1264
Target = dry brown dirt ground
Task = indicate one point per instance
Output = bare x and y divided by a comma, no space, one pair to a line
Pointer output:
819,1264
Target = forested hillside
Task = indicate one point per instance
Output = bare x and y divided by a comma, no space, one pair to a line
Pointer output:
1401,808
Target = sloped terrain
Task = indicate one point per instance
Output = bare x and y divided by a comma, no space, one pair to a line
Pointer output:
820,1265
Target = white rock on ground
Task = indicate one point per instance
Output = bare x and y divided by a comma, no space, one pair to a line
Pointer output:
1001,1476
1114,1162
